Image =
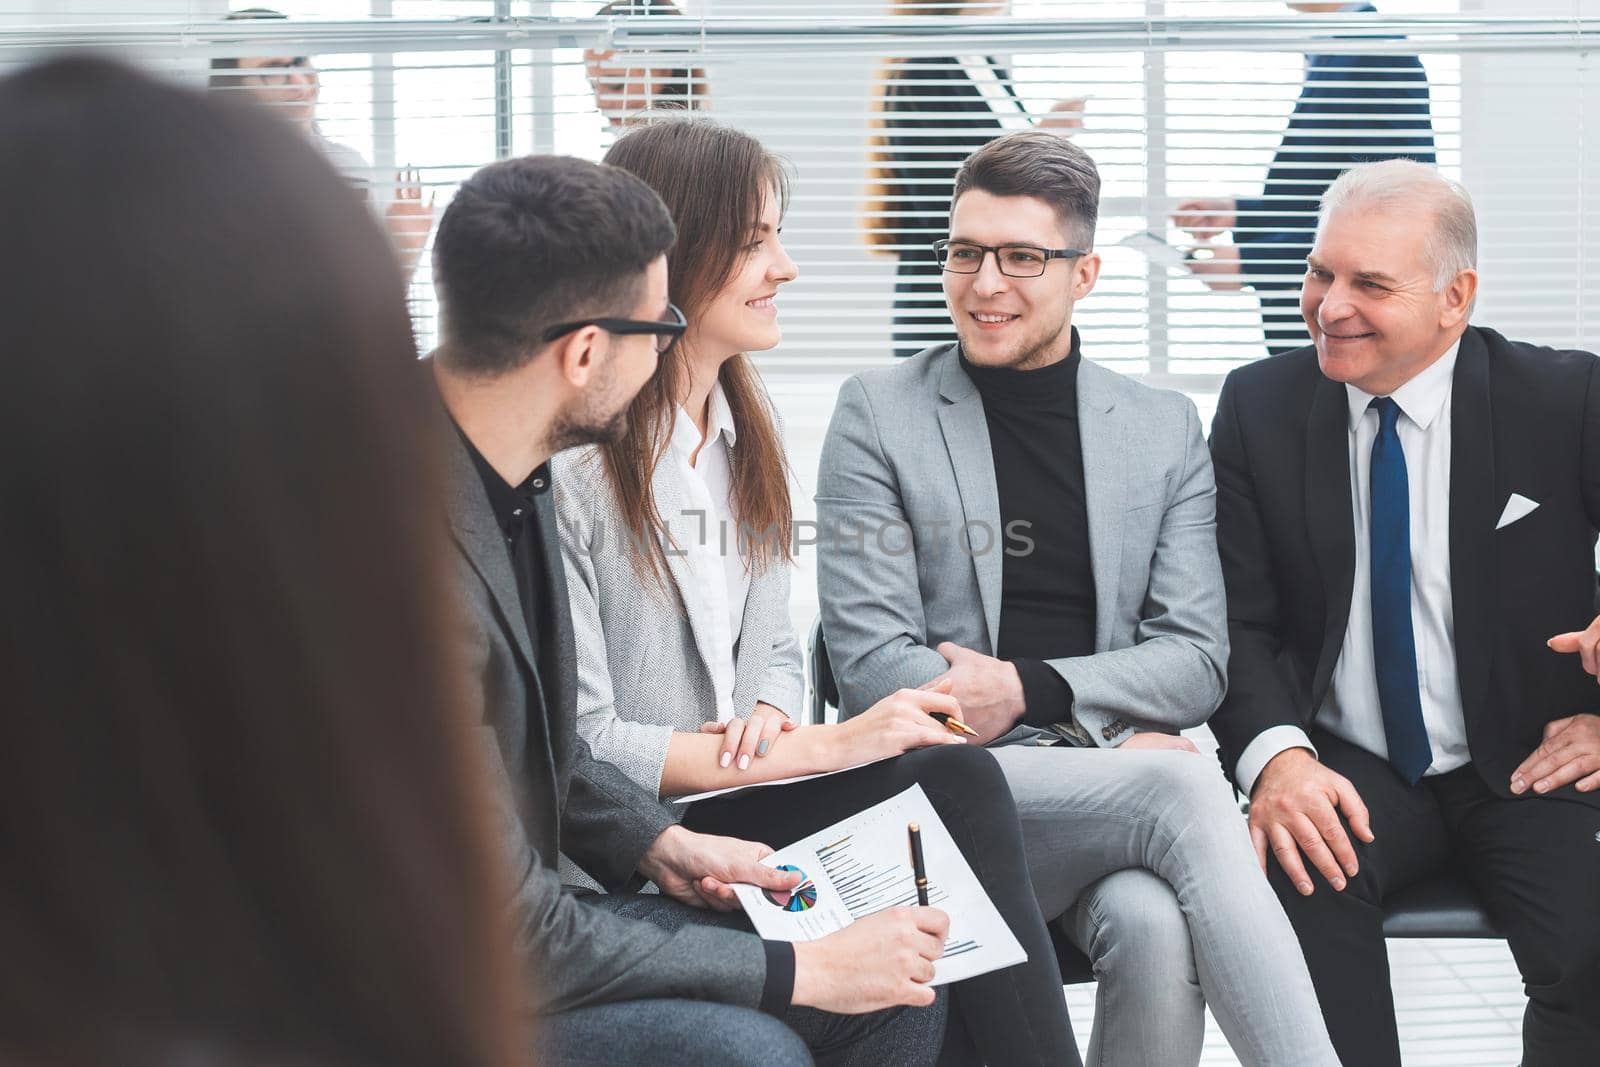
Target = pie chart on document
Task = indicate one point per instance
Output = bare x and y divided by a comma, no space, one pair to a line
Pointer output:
802,897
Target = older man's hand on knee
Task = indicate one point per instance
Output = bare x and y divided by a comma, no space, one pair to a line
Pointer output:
1294,810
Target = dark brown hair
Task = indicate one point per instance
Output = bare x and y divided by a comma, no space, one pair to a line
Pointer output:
1040,164
531,242
240,819
714,180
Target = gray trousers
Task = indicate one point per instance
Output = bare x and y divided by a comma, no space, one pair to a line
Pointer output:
1147,862
626,1033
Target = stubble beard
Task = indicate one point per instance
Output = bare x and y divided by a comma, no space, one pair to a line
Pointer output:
598,420
1032,354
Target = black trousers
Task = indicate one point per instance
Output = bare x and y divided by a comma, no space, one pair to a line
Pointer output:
1535,863
1012,1016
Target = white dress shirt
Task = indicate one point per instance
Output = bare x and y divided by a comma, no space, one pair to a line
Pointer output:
708,536
1351,710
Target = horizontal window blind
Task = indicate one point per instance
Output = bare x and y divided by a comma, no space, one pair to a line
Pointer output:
875,104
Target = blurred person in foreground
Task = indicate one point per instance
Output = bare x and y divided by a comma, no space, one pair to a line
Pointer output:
239,815
291,87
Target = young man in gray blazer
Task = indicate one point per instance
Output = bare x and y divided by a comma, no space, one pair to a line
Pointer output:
553,283
1040,531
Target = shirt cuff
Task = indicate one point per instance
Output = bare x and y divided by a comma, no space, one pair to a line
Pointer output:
778,990
1046,696
1259,752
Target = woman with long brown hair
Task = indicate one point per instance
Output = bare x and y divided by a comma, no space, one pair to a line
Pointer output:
239,817
676,539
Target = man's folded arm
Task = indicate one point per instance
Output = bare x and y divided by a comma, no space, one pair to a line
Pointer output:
1175,673
609,820
867,572
578,954
1046,696
1260,693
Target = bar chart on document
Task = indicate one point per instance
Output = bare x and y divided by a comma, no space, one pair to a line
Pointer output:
862,865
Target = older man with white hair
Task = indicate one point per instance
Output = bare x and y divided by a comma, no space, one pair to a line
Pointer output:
1407,513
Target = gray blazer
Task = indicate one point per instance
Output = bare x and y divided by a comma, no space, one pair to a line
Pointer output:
909,444
552,794
643,651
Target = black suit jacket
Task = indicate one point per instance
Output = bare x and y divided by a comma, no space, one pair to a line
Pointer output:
553,795
1526,420
1352,109
934,117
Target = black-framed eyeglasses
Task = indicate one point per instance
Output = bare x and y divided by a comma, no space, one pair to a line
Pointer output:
667,331
1014,261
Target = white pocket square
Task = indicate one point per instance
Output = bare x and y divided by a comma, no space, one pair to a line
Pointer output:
1517,507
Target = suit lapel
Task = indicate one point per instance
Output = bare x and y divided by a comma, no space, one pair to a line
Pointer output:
1105,478
672,499
1474,489
966,437
559,681
475,531
549,716
1330,518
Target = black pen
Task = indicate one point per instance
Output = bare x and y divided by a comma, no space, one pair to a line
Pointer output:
918,871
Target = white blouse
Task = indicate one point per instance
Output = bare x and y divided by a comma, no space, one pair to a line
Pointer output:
709,539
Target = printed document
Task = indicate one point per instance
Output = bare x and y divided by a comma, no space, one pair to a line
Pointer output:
862,865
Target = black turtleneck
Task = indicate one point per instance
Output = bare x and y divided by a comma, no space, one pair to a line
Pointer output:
1047,593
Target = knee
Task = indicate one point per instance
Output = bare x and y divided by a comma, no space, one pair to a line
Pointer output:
1138,929
1563,972
1191,791
756,1040
1194,782
967,788
966,771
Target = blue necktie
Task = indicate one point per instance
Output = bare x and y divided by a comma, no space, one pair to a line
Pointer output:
1394,648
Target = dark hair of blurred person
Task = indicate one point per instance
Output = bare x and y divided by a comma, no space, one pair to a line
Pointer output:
624,90
238,816
717,182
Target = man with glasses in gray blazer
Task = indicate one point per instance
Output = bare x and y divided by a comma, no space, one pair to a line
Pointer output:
1039,530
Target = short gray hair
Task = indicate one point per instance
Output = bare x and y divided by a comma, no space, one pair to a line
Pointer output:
1452,247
